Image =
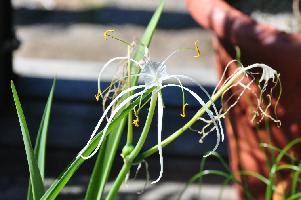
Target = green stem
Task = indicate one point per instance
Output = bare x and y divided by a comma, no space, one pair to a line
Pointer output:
129,159
119,180
130,115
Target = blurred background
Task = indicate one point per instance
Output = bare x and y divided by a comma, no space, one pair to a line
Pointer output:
43,39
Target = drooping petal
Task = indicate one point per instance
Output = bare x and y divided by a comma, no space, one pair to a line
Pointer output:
206,93
224,74
160,119
107,110
209,112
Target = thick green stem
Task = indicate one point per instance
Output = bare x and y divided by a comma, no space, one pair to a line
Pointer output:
119,180
129,159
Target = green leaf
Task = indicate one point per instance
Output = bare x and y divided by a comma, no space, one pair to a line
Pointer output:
106,156
40,146
273,170
104,163
34,172
95,187
60,183
294,196
295,179
147,37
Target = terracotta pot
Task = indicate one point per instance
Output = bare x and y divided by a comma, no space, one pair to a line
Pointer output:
259,43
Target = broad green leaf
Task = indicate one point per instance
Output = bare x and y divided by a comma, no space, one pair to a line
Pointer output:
105,159
40,146
34,172
60,183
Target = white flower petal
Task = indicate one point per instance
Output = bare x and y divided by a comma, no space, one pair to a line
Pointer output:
107,110
218,116
209,112
160,119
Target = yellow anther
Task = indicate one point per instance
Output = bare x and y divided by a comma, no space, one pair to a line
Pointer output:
136,121
106,34
197,49
183,114
98,95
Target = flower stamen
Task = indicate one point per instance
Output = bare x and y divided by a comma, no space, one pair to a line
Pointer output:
136,121
98,95
197,49
183,114
107,34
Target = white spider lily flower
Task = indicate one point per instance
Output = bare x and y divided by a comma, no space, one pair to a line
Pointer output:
153,74
236,79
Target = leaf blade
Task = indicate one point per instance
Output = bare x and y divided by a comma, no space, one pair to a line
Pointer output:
34,172
40,146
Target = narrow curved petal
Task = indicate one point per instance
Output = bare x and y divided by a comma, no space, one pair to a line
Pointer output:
224,74
106,112
160,119
115,111
206,93
209,112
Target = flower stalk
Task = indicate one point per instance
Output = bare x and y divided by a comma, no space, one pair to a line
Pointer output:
130,115
128,160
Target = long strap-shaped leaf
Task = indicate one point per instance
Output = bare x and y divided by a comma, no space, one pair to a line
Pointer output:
106,156
40,146
34,172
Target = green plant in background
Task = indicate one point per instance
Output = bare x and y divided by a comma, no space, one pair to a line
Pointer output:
293,166
274,156
128,99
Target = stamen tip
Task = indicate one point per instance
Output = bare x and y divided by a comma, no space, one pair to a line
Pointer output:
136,122
183,114
197,49
98,95
107,33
